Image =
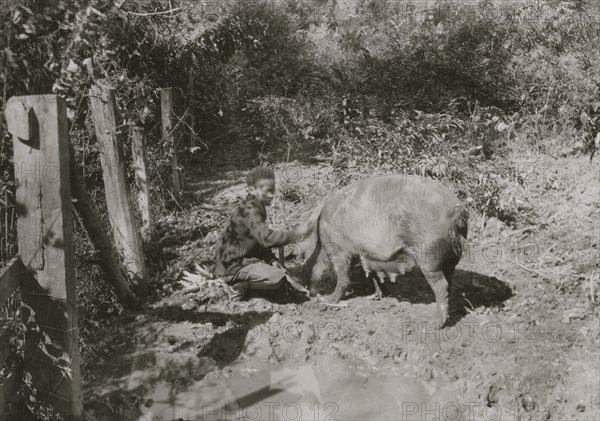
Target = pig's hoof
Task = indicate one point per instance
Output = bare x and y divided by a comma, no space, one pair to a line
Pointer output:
334,298
328,301
438,324
442,317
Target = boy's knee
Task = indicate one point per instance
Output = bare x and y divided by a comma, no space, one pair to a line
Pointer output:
268,274
276,281
262,276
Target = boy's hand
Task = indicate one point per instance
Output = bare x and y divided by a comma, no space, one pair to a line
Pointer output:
304,229
277,264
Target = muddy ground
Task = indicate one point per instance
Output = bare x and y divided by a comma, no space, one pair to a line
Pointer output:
522,342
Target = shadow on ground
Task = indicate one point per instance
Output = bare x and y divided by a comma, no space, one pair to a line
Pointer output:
224,347
469,290
143,365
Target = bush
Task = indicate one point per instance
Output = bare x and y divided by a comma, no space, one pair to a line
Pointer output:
275,122
447,147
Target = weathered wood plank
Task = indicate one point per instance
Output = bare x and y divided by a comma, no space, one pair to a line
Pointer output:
45,231
118,197
9,279
138,148
109,260
166,109
28,174
16,123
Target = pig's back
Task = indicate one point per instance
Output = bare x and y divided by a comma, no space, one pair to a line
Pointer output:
389,210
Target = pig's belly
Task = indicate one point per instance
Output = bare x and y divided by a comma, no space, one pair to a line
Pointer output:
398,266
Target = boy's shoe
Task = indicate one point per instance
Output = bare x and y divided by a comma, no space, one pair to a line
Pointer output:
234,292
294,284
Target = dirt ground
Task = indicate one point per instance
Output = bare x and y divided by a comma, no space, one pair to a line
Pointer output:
522,342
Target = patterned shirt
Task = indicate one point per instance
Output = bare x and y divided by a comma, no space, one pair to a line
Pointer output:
247,235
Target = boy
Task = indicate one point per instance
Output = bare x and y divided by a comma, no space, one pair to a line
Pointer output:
244,258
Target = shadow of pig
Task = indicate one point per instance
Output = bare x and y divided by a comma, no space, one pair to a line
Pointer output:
469,290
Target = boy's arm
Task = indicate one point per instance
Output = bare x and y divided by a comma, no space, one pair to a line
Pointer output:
266,236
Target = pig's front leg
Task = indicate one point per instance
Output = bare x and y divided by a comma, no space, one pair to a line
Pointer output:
342,271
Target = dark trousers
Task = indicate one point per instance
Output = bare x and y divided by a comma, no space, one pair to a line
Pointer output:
257,274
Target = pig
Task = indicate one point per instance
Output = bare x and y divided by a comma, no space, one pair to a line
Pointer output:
392,224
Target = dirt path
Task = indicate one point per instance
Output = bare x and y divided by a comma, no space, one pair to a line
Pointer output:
522,343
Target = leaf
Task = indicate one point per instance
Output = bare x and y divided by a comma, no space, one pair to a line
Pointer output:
501,126
584,118
72,67
17,16
10,57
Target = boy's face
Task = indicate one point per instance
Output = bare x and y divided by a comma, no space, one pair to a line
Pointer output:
264,190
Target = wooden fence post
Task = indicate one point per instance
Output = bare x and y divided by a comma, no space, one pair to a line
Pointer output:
109,260
138,148
38,124
166,106
118,202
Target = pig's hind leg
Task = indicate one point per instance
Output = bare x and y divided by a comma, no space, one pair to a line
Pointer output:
449,273
439,284
378,293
